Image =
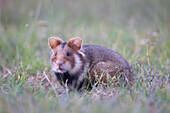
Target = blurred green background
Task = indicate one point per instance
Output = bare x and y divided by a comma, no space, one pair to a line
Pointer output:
137,29
26,25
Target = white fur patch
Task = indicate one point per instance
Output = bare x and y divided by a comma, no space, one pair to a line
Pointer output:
80,52
78,64
85,69
65,67
84,72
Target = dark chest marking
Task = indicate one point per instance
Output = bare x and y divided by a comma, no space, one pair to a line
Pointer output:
72,81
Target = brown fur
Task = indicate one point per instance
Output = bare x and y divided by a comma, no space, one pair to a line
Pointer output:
54,42
91,60
104,59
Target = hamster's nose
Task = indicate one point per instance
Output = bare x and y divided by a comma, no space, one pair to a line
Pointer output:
59,63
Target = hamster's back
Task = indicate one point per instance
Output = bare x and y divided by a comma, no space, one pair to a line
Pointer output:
100,54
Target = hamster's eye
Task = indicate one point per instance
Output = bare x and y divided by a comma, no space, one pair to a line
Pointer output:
68,54
55,53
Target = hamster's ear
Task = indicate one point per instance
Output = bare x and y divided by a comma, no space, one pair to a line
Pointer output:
54,42
75,43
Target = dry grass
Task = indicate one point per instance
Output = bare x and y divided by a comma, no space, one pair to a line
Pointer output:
138,30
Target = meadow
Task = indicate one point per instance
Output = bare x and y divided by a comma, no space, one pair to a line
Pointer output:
137,29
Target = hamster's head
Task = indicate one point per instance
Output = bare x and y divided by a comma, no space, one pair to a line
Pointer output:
66,56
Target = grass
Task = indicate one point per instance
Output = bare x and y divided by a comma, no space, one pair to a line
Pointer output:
138,30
